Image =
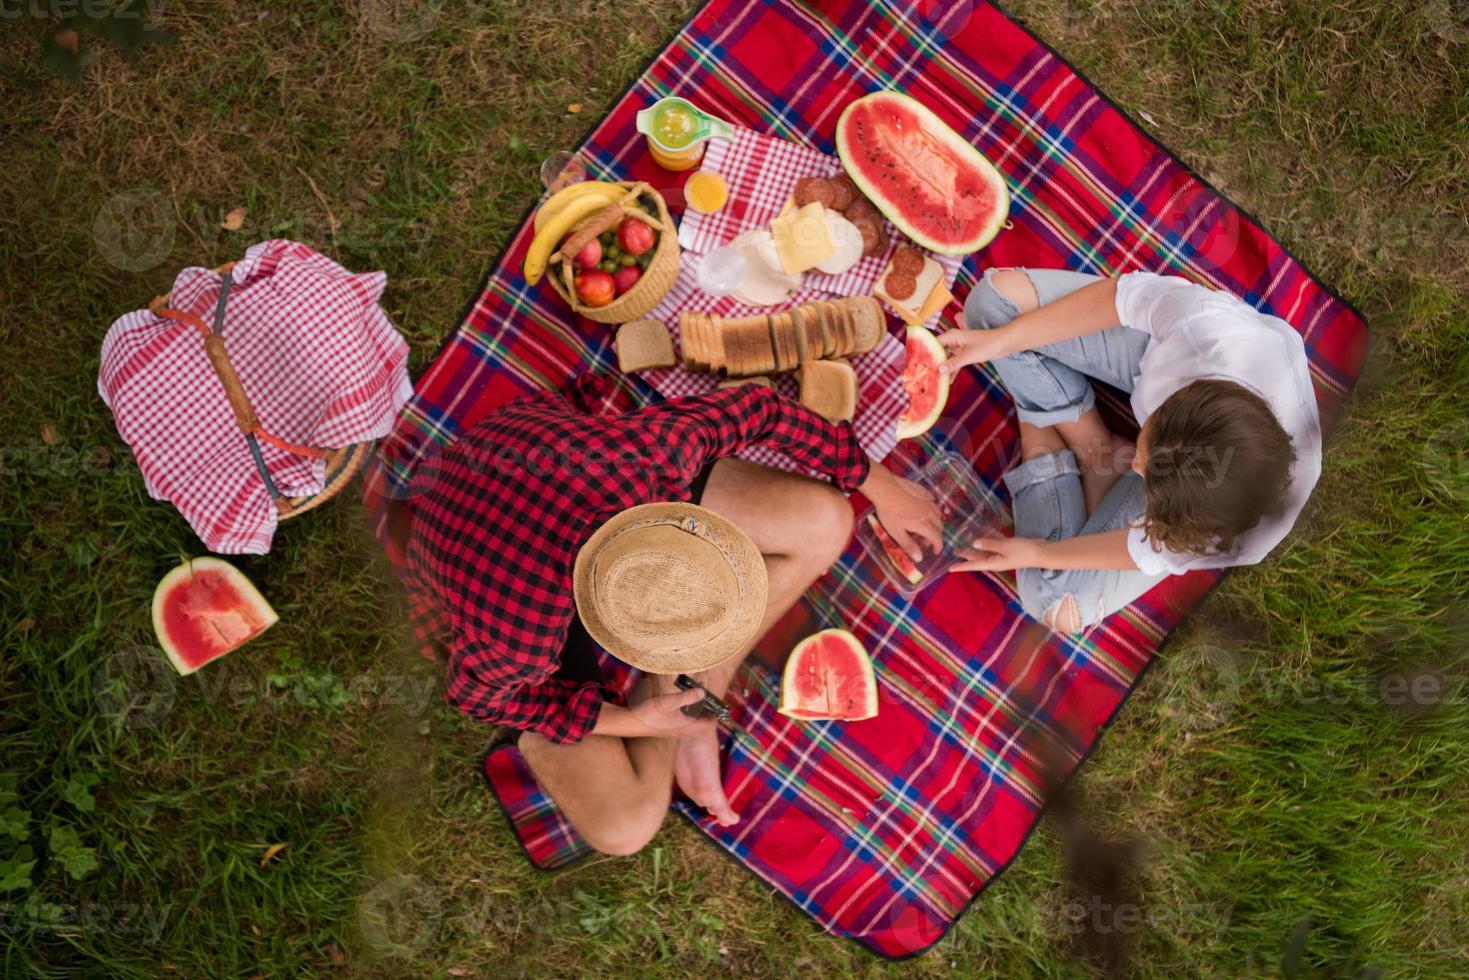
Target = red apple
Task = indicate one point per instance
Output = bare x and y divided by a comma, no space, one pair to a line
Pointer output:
595,287
589,256
634,236
626,278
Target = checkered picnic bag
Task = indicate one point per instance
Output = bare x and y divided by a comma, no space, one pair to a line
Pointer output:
325,365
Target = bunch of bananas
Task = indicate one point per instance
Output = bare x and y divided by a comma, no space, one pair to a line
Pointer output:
563,211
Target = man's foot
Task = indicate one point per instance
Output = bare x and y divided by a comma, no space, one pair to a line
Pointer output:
696,770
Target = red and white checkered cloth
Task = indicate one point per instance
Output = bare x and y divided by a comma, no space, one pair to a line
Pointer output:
322,364
761,172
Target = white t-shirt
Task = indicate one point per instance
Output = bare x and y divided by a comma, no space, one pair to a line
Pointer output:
1199,333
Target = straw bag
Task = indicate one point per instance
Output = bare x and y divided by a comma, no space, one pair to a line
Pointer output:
656,280
342,463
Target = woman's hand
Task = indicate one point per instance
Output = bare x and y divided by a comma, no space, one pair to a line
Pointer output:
1000,555
907,512
974,347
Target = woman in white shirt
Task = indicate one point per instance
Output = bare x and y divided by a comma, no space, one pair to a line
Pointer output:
1229,450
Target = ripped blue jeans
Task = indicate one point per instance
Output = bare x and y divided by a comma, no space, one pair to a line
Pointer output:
1051,384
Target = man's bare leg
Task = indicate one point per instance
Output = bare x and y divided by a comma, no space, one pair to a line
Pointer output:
615,791
801,527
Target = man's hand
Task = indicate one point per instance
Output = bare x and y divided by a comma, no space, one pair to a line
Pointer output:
999,555
696,770
974,347
907,511
655,716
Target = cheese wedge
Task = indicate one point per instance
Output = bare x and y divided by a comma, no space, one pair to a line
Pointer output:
802,239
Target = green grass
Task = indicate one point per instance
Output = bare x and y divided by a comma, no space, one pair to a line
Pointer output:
1259,759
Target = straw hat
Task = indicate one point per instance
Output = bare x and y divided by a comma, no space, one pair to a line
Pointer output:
670,588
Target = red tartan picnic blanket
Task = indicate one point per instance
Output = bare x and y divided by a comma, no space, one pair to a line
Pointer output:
884,831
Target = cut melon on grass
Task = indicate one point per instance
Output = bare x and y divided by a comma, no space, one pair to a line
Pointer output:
204,609
926,385
829,678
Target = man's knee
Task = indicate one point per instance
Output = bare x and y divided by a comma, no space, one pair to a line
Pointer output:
626,829
825,524
999,298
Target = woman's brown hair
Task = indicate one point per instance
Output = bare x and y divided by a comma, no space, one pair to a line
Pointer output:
1216,462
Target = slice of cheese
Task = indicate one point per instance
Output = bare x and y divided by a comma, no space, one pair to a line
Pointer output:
802,239
932,291
939,298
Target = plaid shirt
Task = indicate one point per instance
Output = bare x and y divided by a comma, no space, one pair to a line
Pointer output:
500,515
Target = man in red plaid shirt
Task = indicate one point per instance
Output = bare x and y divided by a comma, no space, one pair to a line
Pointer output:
499,519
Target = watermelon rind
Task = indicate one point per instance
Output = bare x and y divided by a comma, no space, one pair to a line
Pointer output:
788,705
938,129
910,428
181,576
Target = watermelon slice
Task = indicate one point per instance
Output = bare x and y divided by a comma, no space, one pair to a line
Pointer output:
829,677
894,552
925,177
927,386
204,609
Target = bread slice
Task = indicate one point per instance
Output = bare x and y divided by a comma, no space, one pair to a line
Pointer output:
828,331
868,318
643,345
713,344
845,331
813,344
930,295
758,379
686,341
829,388
798,336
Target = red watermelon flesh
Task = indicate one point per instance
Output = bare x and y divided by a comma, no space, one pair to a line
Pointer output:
205,608
829,677
926,385
937,189
894,552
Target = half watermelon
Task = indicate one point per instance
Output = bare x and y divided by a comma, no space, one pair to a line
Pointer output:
939,191
926,385
829,677
204,609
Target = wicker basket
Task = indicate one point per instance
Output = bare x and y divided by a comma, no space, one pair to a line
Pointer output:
656,280
342,463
